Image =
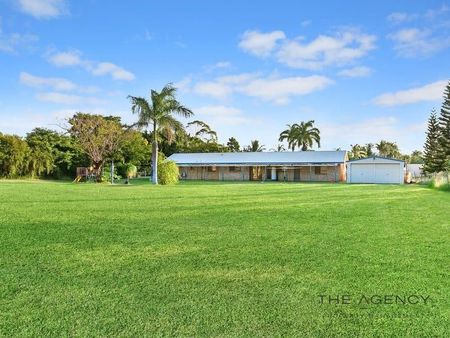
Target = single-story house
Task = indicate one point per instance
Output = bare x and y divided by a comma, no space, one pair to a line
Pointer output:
376,169
298,166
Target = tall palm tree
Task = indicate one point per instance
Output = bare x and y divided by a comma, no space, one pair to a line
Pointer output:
158,112
289,136
302,135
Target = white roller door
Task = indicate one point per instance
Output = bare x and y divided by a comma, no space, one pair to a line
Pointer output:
367,171
386,173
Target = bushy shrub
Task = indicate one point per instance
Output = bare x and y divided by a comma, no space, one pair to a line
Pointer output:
167,172
440,181
106,175
130,170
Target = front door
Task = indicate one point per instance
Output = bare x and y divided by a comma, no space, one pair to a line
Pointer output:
296,175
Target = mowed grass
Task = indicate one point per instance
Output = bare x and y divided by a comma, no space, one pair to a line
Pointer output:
217,259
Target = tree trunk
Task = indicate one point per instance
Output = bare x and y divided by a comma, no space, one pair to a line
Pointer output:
155,162
97,170
155,155
304,147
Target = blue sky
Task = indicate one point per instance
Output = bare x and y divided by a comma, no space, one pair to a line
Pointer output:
362,71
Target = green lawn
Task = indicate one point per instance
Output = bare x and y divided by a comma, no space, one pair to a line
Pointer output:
212,259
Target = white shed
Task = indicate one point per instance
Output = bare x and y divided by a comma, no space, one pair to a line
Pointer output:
376,170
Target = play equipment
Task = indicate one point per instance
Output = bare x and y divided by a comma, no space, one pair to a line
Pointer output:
84,174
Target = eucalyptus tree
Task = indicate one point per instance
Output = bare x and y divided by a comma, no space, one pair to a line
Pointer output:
158,113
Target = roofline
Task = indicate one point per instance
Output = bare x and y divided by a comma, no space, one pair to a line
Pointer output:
186,164
382,157
265,152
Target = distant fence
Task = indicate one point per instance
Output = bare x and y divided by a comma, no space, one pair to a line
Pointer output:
436,179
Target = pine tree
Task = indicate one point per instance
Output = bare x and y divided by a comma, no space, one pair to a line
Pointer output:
432,162
444,126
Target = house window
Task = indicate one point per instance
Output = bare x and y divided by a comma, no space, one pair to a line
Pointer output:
320,170
212,169
234,169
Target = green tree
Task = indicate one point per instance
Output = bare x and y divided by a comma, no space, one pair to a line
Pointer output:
233,145
444,127
14,156
203,130
432,162
134,149
369,149
42,152
302,135
255,147
388,149
357,152
158,112
416,157
99,137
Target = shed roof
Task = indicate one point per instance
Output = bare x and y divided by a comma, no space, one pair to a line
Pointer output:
260,158
378,159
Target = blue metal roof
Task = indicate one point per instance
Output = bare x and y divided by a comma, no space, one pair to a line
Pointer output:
260,158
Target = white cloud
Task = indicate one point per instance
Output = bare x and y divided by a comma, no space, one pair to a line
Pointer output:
325,50
43,8
116,72
74,58
400,17
260,44
397,18
412,42
280,90
184,84
237,78
428,32
429,92
41,82
10,42
356,72
54,83
222,115
305,23
217,90
274,89
64,59
222,64
59,98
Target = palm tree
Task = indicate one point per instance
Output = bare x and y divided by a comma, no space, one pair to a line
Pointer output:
255,146
302,135
388,149
279,148
289,136
357,151
158,113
